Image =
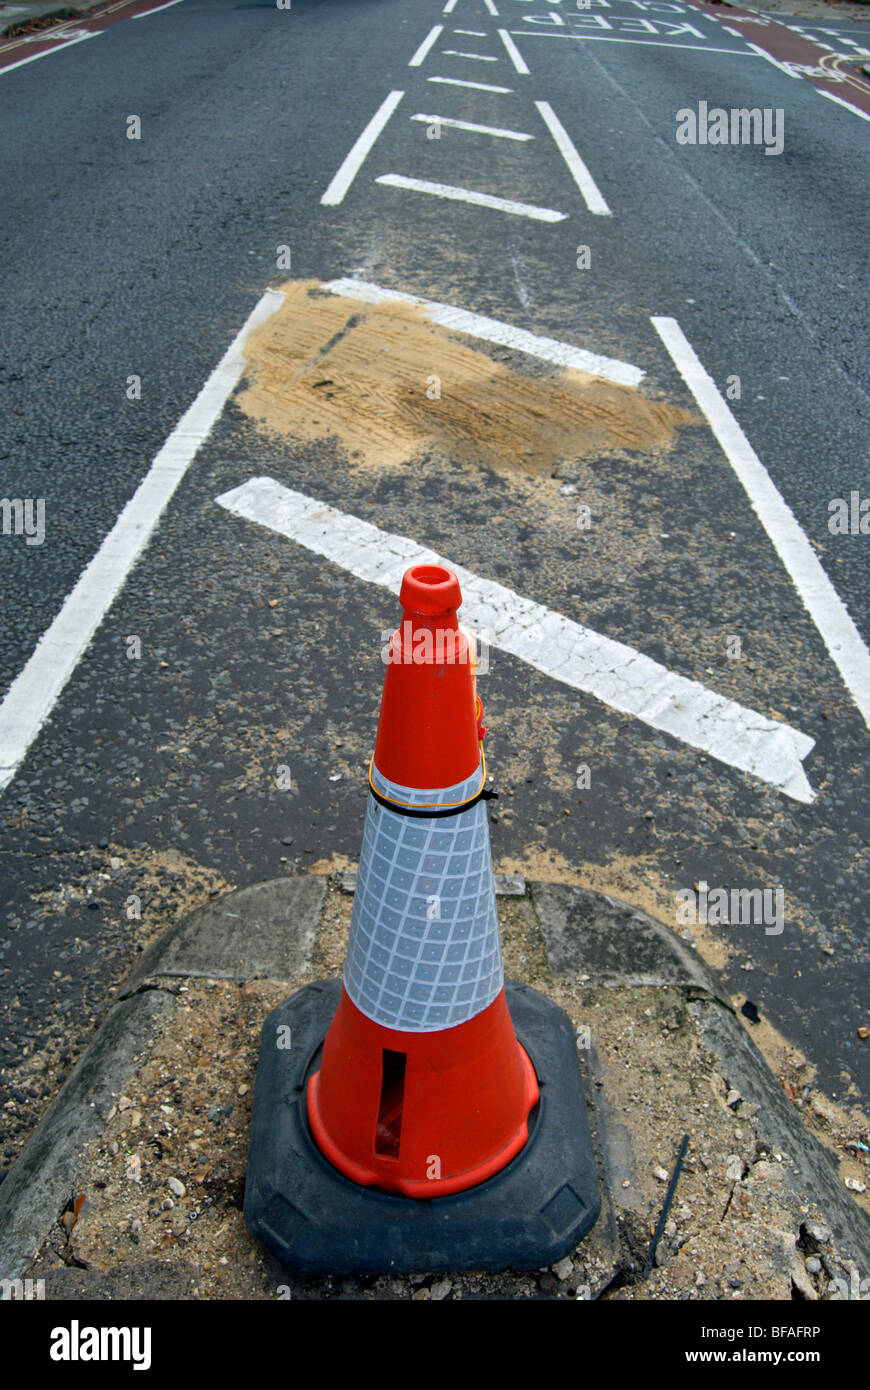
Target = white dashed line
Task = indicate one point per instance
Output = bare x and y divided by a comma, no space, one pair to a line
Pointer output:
491,7
513,53
476,57
35,691
580,174
618,675
495,331
458,82
453,124
817,593
356,157
430,40
468,195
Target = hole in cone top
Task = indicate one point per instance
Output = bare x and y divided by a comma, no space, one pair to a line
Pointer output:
432,590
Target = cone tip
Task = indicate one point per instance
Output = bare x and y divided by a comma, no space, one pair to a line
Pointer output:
432,590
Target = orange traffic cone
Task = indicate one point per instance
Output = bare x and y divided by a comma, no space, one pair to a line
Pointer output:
423,1087
407,1080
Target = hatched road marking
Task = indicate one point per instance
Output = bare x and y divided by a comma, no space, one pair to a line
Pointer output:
614,673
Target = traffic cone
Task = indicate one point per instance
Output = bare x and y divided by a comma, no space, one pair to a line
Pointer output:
408,1126
423,1087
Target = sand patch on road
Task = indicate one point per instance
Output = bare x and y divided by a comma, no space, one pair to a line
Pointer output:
388,385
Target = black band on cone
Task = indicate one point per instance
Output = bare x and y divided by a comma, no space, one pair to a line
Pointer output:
453,808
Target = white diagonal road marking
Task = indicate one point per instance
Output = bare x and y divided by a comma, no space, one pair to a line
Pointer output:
614,673
453,124
471,195
494,331
460,82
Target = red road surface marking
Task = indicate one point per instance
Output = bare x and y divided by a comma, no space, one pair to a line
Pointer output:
24,47
803,56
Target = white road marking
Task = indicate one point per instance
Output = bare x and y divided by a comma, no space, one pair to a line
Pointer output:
776,63
477,57
468,195
614,673
580,174
35,690
473,33
471,125
494,331
44,54
458,82
856,110
491,7
513,52
648,43
356,156
449,7
819,597
61,34
145,13
430,39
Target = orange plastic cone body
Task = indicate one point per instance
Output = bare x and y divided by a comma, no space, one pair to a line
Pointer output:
448,1117
427,732
439,1110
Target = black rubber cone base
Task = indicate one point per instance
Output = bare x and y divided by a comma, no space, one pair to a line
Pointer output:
316,1221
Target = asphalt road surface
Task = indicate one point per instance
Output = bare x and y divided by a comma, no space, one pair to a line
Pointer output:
161,172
